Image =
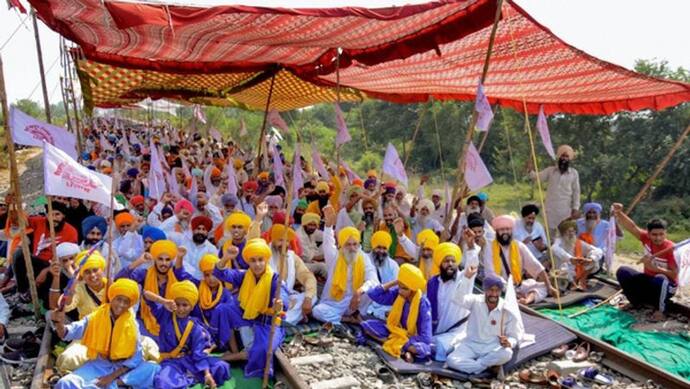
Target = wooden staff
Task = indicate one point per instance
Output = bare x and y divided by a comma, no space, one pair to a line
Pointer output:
658,170
51,228
39,53
257,168
70,92
16,192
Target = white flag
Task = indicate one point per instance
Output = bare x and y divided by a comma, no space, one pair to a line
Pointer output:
483,109
682,256
243,128
543,128
511,305
232,178
611,244
133,139
342,136
156,177
63,176
297,178
199,113
318,163
216,135
393,166
351,175
277,167
477,175
275,120
32,132
105,143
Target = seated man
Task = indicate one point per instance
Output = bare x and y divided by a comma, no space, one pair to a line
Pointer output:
348,270
595,231
111,336
386,270
530,232
657,284
257,307
184,341
574,256
506,256
407,329
492,330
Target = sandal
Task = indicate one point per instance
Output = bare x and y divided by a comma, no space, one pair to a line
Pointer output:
592,374
529,377
581,353
559,352
552,378
571,383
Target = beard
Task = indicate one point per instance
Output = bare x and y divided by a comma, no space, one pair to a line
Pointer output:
91,242
368,217
349,256
422,220
569,242
199,238
563,165
323,201
504,239
590,224
471,210
59,225
312,197
298,218
448,273
379,258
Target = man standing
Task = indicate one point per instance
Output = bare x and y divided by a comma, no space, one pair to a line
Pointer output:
657,284
593,230
530,232
563,189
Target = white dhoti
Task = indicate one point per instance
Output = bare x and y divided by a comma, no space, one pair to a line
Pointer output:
445,342
332,311
474,357
75,354
294,313
532,285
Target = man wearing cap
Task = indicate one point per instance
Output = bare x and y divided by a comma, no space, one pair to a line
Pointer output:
275,204
236,229
492,330
507,257
111,336
593,230
198,246
311,239
407,330
57,276
177,228
563,188
386,270
577,258
530,232
184,341
348,270
128,244
41,253
439,211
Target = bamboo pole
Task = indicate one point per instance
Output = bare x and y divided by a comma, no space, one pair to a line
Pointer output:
51,228
66,106
262,135
111,226
39,53
16,192
77,121
640,195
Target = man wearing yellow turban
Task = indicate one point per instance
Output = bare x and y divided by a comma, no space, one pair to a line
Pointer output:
407,330
111,336
427,240
348,270
255,307
386,270
183,341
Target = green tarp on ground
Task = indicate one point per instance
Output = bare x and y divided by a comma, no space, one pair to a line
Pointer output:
668,351
238,381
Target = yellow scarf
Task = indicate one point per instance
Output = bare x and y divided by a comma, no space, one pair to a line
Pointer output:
206,300
515,263
338,286
151,284
181,339
100,330
255,296
399,336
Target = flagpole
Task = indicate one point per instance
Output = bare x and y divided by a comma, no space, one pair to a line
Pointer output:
41,69
109,261
257,168
70,92
16,192
51,227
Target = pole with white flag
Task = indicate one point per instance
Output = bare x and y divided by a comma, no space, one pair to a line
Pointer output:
16,195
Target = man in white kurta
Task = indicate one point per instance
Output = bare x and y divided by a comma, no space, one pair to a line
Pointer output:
569,250
492,330
332,307
514,258
386,270
530,232
563,189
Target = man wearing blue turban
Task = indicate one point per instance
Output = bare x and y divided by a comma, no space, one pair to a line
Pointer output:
94,229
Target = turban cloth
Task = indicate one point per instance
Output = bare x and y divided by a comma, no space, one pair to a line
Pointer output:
411,277
475,220
503,221
184,204
565,225
124,218
208,262
426,203
369,181
166,211
278,232
237,163
229,199
164,247
136,200
346,234
184,290
274,201
124,287
67,249
154,233
85,156
203,221
94,261
105,163
322,186
92,222
388,189
381,239
529,209
215,172
60,207
596,207
447,249
238,219
483,196
565,149
256,248
196,172
302,203
310,217
358,183
473,198
372,173
107,170
250,185
263,176
427,239
353,189
133,172
492,280
436,193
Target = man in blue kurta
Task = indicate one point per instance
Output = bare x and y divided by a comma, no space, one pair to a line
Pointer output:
256,305
183,341
407,330
111,336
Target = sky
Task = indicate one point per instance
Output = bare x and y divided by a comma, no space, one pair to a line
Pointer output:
618,31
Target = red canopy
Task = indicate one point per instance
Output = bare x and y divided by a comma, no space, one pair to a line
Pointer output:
401,54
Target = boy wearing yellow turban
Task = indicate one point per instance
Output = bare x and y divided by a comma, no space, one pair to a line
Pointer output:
111,336
427,240
348,270
406,332
184,341
256,305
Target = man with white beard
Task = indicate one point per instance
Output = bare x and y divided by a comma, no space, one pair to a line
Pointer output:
386,270
593,230
422,218
348,270
576,257
292,270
